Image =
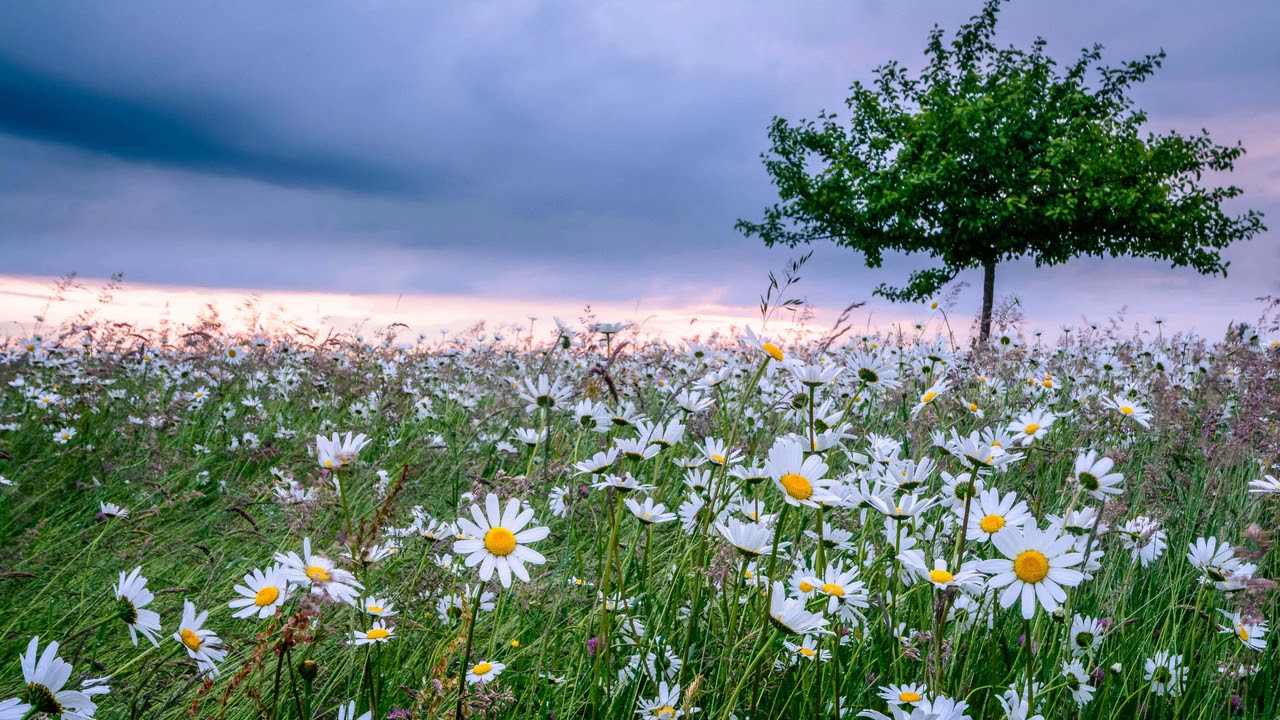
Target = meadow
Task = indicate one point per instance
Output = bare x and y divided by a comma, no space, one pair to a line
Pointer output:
568,521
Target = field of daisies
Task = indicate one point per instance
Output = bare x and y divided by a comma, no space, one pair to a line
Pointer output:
570,522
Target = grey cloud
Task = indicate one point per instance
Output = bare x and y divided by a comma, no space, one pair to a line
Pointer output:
517,149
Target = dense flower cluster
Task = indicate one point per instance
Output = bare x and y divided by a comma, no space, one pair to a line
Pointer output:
736,527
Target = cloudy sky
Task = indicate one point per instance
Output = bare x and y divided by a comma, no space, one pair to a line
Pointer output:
536,154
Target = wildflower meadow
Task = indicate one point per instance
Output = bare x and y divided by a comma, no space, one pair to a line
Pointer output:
575,521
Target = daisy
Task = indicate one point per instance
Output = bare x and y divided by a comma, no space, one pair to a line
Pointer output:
598,463
664,707
649,512
994,514
904,508
1095,476
799,478
320,574
543,393
348,712
263,593
764,345
531,437
812,375
967,578
332,453
1143,538
379,607
45,676
1077,681
1250,634
623,483
719,453
1166,673
132,596
1129,409
973,407
807,649
1217,561
1035,566
751,539
62,436
13,709
484,672
844,591
1031,426
789,615
112,510
202,645
910,694
1016,707
498,541
1268,485
939,708
1085,636
930,395
378,633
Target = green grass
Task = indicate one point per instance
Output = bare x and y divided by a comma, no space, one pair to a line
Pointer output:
200,521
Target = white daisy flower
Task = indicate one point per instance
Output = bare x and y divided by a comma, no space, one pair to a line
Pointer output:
498,540
320,574
1036,565
381,607
132,596
377,633
263,593
203,645
46,674
799,478
484,672
1095,476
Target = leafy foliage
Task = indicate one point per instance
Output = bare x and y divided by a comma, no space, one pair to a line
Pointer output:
994,154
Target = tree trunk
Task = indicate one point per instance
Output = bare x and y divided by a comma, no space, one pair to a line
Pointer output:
988,295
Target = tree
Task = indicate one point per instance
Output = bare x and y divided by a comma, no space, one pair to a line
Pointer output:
992,155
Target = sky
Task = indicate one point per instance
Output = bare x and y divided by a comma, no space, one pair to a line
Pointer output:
525,157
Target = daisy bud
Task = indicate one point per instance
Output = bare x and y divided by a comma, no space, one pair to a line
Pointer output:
308,670
1117,668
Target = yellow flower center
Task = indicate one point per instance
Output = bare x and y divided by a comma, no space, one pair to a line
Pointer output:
1048,384
929,396
909,697
317,574
717,458
374,608
1032,428
941,576
1243,632
805,586
377,634
1031,566
266,596
833,589
191,640
973,407
1126,410
797,486
773,351
807,652
481,669
666,711
500,541
992,523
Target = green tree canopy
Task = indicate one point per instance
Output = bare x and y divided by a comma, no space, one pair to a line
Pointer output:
991,155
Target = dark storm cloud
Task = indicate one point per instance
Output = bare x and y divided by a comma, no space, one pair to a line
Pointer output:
518,148
45,107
